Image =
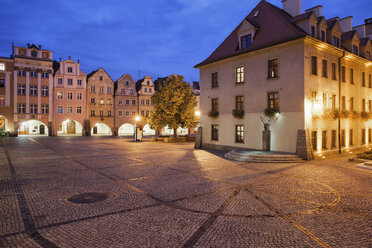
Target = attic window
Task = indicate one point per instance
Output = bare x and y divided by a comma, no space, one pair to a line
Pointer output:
246,41
355,50
256,13
33,53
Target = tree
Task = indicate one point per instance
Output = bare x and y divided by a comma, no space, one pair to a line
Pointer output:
174,105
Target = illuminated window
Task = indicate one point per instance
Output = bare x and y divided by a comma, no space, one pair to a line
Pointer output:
239,102
273,101
273,68
239,75
2,67
101,101
246,41
59,95
239,133
214,133
109,101
215,104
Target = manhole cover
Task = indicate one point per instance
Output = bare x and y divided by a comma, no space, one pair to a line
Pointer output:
88,198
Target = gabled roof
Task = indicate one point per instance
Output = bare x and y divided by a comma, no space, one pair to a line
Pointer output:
348,35
94,72
275,27
302,17
91,74
331,23
364,41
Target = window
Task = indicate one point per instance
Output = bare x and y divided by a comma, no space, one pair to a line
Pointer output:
79,96
127,113
334,71
147,113
324,68
313,31
21,108
120,113
142,102
126,83
352,76
44,75
148,82
79,82
109,113
313,97
314,140
351,137
145,89
69,96
2,100
325,100
2,82
343,74
370,106
44,91
352,103
33,108
273,102
363,105
69,69
21,90
314,65
59,109
214,79
101,113
78,109
343,138
127,102
92,89
215,104
109,101
21,73
336,41
59,95
2,67
69,81
147,102
150,90
333,101
108,90
363,79
33,53
322,36
93,113
246,41
239,75
33,90
69,110
60,81
363,137
142,112
239,134
100,78
239,102
355,50
324,139
133,102
101,101
333,140
343,102
33,74
120,102
214,134
131,91
122,91
369,135
101,89
273,68
92,100
44,109
369,81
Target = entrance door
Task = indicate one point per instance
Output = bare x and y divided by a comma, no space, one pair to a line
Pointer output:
95,131
23,130
42,129
71,127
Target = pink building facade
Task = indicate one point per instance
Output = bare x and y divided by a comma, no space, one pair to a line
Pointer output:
70,103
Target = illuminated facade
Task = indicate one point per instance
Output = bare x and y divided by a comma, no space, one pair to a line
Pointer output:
282,60
6,95
145,89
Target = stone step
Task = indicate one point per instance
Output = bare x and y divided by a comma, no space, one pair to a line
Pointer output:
261,157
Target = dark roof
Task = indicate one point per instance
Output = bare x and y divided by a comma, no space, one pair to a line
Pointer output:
91,74
34,46
331,23
364,41
348,35
302,17
275,27
139,84
56,66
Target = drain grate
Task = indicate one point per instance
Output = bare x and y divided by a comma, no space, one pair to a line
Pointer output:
88,198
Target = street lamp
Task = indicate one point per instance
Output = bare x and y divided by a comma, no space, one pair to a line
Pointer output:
197,113
136,119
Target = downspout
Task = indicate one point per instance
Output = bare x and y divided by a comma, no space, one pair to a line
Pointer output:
339,101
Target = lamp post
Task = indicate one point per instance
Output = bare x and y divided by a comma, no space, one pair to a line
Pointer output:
136,119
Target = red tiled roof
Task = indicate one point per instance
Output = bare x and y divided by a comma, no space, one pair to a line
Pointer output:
274,27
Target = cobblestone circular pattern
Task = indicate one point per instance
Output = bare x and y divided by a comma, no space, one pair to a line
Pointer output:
88,198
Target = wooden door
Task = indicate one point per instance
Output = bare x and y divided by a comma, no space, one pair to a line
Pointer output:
71,127
95,131
23,130
42,129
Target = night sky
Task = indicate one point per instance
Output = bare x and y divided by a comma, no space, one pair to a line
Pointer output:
157,37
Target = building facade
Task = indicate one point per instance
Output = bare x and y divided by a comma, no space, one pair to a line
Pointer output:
100,88
6,96
285,74
32,90
126,105
70,99
145,89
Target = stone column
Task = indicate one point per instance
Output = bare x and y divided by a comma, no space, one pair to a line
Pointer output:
27,95
266,140
303,146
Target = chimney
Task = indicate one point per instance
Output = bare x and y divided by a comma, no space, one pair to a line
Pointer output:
368,28
361,29
346,24
292,7
78,61
60,59
316,9
69,57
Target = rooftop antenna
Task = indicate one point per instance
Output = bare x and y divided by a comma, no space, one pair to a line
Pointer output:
13,49
139,73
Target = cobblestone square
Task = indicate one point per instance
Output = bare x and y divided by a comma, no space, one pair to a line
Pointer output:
111,192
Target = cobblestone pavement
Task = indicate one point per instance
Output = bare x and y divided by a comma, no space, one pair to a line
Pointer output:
110,192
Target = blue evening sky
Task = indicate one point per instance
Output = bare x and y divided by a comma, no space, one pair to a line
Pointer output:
157,37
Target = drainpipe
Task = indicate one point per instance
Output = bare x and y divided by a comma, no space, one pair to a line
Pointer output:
339,101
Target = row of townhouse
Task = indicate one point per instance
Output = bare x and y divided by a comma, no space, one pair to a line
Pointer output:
44,97
308,70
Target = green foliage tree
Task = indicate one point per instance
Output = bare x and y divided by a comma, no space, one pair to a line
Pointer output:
174,105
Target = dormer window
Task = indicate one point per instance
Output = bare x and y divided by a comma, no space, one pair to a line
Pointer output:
355,50
322,36
336,41
69,69
126,83
148,82
313,31
122,91
33,53
246,41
